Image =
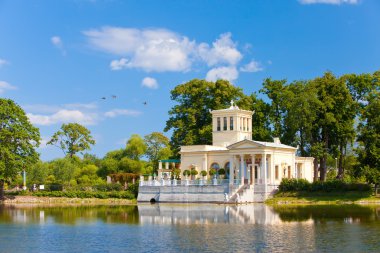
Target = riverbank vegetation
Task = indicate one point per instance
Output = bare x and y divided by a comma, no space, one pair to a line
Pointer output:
335,119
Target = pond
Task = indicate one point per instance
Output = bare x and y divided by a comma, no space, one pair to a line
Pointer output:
190,228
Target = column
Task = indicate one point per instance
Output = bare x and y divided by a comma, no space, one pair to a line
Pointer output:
272,168
252,174
265,172
242,168
159,172
231,170
205,162
167,165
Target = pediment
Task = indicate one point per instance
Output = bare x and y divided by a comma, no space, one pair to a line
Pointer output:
245,144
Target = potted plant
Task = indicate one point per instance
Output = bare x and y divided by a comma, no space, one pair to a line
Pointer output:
212,172
193,173
221,172
203,173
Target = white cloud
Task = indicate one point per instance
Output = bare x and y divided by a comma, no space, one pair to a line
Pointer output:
4,86
121,112
57,42
227,73
3,62
150,49
223,50
336,2
253,66
119,64
149,82
63,116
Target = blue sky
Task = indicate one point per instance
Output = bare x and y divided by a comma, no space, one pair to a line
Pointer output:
59,58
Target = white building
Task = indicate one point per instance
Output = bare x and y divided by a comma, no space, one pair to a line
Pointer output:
254,168
253,162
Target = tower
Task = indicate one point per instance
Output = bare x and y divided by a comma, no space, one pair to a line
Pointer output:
231,125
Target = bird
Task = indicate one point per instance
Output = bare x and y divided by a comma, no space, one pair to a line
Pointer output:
114,96
145,103
104,98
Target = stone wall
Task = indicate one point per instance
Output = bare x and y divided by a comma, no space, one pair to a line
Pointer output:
183,193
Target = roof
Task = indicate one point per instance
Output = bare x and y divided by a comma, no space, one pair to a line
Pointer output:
263,144
171,161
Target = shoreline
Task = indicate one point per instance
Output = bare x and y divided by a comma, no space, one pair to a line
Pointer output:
11,200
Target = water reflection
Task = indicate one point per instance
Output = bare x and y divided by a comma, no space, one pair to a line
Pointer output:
188,214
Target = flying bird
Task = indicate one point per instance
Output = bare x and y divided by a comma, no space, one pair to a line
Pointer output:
145,103
104,98
114,96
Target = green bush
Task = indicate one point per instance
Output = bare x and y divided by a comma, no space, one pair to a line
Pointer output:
335,185
86,194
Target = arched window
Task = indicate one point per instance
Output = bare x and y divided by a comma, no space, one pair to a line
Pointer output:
215,166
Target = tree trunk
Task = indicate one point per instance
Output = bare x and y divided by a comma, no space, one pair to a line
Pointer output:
1,190
323,169
340,166
315,169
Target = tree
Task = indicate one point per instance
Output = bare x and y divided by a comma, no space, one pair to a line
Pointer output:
18,140
72,138
369,139
190,118
158,148
135,148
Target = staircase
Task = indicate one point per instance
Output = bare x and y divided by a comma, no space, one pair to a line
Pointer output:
242,194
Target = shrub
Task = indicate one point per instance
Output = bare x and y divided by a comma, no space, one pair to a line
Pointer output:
203,173
186,172
194,172
292,185
221,171
212,172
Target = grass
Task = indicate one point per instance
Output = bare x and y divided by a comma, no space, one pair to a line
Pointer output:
323,198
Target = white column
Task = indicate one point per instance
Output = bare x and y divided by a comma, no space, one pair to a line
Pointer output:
272,172
231,170
265,172
242,168
205,162
167,165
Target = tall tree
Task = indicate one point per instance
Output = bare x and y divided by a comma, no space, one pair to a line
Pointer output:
369,139
190,119
72,138
18,140
158,148
136,147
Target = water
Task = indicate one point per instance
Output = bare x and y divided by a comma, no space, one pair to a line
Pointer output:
190,228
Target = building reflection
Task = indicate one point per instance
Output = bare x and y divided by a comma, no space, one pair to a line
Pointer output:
209,214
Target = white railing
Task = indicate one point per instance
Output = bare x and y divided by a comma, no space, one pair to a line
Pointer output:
199,182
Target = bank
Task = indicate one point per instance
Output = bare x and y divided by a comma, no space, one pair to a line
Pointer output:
66,200
323,198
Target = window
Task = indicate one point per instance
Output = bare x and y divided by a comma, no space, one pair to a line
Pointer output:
289,172
218,124
224,123
276,172
227,166
244,123
215,166
231,123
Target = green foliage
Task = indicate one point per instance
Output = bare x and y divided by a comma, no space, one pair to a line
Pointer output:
190,119
177,173
158,148
212,172
193,172
18,140
135,147
297,185
221,171
203,173
86,194
72,138
130,166
186,173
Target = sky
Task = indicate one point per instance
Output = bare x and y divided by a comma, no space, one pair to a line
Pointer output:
96,62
